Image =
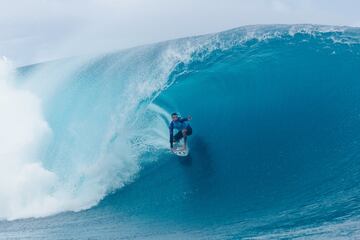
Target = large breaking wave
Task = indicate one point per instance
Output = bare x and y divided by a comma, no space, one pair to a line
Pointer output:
276,130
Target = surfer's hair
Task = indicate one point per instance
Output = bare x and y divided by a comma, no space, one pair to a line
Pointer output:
174,114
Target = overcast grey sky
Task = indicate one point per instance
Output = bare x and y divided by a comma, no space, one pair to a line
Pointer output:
39,30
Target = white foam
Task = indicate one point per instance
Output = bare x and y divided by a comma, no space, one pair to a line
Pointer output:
23,180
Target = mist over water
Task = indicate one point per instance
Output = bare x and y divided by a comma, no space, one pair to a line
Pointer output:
24,180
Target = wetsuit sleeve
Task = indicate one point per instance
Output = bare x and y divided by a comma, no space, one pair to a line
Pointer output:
183,119
171,130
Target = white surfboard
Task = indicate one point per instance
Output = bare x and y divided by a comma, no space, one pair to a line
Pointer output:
179,149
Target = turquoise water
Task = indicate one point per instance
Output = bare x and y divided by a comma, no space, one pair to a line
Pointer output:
274,152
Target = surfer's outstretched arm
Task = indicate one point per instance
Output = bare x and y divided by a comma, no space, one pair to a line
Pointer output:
185,119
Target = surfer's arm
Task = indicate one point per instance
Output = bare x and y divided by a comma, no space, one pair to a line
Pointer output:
185,119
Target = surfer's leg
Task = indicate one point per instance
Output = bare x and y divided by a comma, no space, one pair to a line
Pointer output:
178,136
188,131
184,133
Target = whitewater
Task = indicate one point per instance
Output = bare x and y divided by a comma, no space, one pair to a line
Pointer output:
274,154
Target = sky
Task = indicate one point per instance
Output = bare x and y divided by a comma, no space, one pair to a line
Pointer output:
33,31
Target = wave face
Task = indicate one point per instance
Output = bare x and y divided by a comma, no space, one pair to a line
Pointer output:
274,153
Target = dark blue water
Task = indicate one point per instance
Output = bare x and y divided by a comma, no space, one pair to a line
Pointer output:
274,153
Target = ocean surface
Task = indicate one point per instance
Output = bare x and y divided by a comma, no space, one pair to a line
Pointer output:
275,150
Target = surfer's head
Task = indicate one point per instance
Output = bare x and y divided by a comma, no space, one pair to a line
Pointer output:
174,116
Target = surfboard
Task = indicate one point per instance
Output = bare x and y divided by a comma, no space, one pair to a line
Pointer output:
179,149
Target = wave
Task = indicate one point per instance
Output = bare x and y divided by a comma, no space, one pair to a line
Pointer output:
275,119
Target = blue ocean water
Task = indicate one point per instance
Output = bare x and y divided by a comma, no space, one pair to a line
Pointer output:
274,152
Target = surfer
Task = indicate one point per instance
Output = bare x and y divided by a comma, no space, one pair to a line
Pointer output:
183,127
